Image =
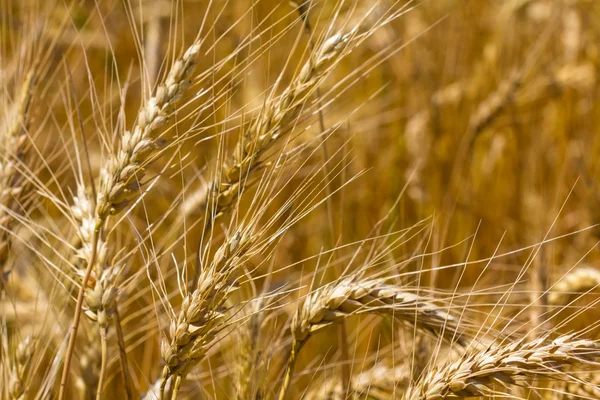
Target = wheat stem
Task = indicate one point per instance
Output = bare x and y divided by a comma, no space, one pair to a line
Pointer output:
289,370
76,318
104,355
122,355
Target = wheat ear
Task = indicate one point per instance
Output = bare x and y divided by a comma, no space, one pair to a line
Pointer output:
478,373
573,285
13,148
347,297
194,329
20,367
487,111
119,182
249,364
272,122
332,303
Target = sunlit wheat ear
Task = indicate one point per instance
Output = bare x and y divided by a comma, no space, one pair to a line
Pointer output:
349,296
19,368
274,120
378,383
573,285
119,182
13,146
495,370
201,317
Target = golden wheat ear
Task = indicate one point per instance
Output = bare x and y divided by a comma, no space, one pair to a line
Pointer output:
495,370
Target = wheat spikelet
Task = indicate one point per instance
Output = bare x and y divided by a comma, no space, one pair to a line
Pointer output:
347,297
264,130
573,285
478,373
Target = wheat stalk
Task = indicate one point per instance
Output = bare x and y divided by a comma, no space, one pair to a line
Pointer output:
478,373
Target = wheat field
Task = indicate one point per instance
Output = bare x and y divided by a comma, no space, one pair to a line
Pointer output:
322,199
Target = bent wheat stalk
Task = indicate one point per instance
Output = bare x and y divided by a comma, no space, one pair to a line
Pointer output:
478,373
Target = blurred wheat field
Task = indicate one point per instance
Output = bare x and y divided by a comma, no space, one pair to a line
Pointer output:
299,200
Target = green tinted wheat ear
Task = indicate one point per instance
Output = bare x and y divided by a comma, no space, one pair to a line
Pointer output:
273,121
481,373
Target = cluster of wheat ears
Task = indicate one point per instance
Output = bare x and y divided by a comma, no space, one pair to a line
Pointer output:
266,199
